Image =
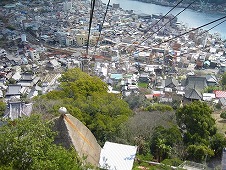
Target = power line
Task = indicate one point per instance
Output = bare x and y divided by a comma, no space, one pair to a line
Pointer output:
90,24
102,25
165,14
190,31
168,21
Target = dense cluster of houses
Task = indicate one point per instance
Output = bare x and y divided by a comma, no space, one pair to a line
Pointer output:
133,49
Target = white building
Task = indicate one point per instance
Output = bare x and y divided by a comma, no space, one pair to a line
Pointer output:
117,156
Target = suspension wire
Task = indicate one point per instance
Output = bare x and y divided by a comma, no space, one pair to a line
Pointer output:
205,31
165,15
168,22
102,25
90,24
190,31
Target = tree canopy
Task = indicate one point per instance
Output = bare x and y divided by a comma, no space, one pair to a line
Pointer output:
199,131
28,144
163,140
86,98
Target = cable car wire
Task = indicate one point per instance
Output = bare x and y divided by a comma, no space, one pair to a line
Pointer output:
168,22
90,24
165,15
101,27
190,31
205,31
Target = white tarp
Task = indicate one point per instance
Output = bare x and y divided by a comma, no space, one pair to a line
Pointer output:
116,156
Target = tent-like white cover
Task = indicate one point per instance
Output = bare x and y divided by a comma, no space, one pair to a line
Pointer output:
116,156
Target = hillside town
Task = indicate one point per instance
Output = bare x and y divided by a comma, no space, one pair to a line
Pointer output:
39,40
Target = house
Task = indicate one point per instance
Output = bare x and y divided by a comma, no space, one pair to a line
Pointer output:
211,80
13,91
222,102
193,94
170,82
17,109
144,77
166,98
53,64
16,76
208,96
28,80
197,82
115,77
220,94
194,85
129,89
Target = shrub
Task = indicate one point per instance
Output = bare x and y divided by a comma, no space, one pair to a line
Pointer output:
159,107
223,115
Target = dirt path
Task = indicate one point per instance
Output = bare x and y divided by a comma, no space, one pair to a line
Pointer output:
221,123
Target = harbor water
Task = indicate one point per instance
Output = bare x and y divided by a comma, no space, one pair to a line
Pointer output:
189,17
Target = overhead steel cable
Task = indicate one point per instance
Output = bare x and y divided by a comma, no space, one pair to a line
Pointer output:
205,31
102,25
90,24
190,31
168,22
165,15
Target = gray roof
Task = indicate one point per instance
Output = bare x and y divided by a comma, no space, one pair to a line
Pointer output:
54,63
13,89
196,82
211,78
193,94
222,101
27,76
171,81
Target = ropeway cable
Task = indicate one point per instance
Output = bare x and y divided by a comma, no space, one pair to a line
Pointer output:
168,22
205,31
165,15
90,24
190,31
102,25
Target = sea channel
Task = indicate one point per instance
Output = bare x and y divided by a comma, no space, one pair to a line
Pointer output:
189,17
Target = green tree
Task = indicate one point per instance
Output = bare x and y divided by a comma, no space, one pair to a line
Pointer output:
199,152
137,101
223,80
28,144
223,115
76,83
86,98
159,107
2,108
163,140
12,81
217,143
199,131
196,121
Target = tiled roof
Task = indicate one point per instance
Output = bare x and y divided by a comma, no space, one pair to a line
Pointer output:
193,94
220,94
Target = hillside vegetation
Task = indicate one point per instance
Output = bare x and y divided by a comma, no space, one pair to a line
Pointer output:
161,133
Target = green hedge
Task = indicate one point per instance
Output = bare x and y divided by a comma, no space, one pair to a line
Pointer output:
159,107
